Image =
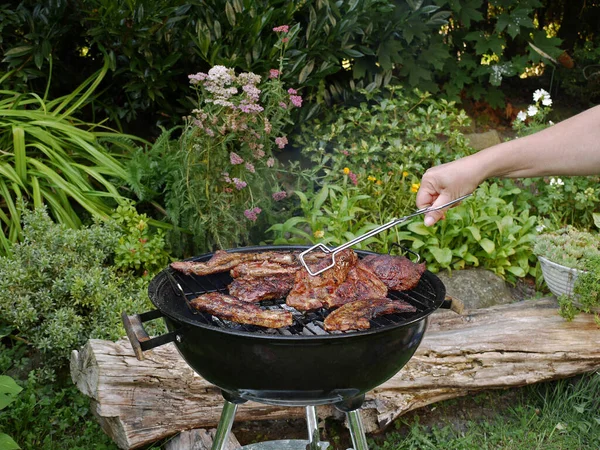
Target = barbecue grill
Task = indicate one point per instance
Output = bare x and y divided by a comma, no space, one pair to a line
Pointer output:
299,365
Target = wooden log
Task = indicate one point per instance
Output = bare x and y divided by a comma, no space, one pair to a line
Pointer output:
139,402
199,440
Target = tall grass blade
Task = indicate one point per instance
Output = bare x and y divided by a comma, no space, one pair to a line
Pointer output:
20,153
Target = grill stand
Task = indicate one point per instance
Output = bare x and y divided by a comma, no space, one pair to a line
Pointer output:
351,408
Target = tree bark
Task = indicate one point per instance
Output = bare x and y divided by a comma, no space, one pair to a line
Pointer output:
139,402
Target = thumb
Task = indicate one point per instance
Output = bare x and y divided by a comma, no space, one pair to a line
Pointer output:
434,216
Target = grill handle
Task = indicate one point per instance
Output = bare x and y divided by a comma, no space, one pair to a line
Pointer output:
453,304
139,338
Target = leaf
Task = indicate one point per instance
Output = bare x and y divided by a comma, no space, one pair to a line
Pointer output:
475,232
7,443
596,217
487,245
19,151
442,255
8,391
230,12
414,4
18,51
419,228
306,70
320,198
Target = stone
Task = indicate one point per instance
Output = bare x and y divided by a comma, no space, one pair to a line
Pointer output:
479,141
477,288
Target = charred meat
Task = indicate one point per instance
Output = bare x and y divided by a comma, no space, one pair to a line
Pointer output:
230,308
223,261
397,272
356,315
255,289
360,283
266,268
315,292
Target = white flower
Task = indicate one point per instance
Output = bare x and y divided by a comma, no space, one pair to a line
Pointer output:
521,116
532,110
550,122
547,101
540,93
556,181
540,228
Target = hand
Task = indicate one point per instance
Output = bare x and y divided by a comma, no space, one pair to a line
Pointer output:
444,183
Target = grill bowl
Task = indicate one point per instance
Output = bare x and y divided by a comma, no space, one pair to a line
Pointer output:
291,366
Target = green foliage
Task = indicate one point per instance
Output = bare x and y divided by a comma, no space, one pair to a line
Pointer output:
485,231
568,247
557,415
51,158
586,291
8,393
139,250
49,415
493,41
58,289
393,131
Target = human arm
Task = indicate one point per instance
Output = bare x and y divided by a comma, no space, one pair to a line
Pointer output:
569,148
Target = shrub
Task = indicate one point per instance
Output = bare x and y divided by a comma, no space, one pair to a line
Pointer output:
58,287
223,180
51,158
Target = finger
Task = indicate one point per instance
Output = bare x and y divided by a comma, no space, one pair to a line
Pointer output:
434,216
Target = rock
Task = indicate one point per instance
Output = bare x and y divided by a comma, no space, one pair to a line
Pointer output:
479,141
477,288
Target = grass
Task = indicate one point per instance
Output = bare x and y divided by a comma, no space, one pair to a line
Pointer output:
557,415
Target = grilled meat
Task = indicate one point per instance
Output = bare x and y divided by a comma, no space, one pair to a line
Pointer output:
255,289
360,283
356,315
231,308
263,269
397,272
315,292
222,261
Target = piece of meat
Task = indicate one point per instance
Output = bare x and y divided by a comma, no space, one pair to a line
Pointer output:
222,261
263,269
255,289
230,308
313,292
360,283
356,315
397,272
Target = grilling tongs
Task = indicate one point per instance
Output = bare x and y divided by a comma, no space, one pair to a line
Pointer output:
390,224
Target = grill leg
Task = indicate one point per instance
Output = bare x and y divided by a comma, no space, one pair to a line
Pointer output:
357,431
225,424
313,428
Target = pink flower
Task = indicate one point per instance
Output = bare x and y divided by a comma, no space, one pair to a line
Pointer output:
292,91
273,73
250,168
296,100
197,78
279,195
270,162
285,40
282,29
283,105
281,141
258,154
228,190
353,178
226,177
252,214
239,184
268,126
345,152
235,159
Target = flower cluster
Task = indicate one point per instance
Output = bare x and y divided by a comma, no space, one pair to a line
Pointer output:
533,119
252,214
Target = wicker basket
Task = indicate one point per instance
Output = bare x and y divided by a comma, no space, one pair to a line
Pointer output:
560,279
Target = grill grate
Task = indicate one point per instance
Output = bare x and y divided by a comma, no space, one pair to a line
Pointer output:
309,323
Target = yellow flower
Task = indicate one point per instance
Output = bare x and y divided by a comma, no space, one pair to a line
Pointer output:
371,178
415,187
319,234
379,183
404,174
346,171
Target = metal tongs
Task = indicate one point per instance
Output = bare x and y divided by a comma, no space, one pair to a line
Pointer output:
371,233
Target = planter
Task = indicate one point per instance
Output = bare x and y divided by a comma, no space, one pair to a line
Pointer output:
560,279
